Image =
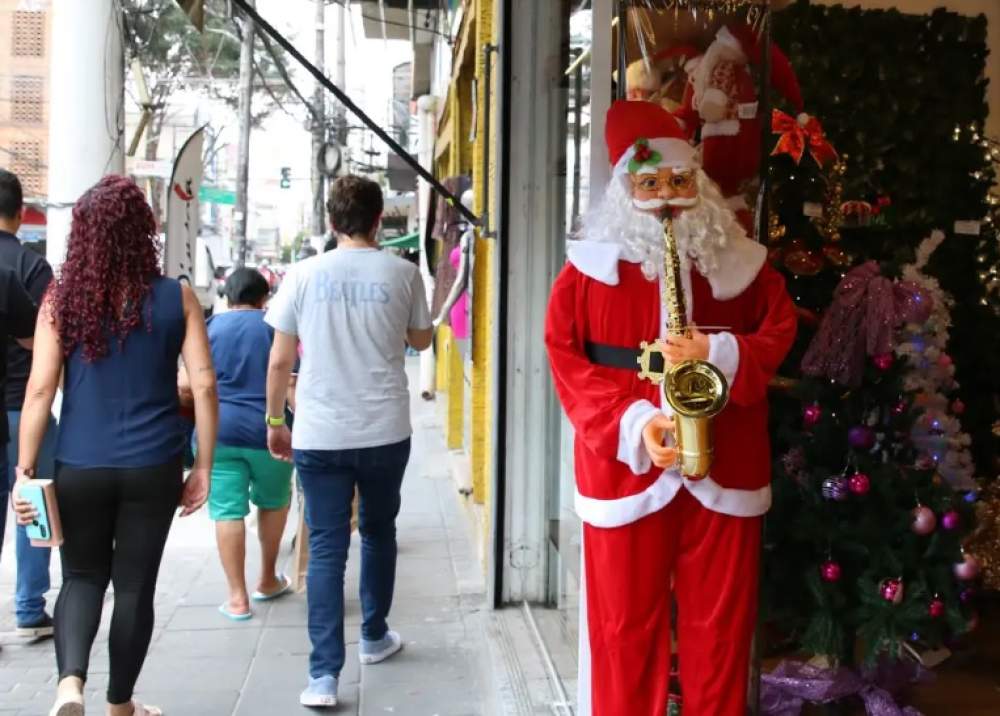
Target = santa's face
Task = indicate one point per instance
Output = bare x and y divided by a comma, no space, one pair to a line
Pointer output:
667,187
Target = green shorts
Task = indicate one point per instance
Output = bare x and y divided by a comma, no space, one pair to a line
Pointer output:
244,475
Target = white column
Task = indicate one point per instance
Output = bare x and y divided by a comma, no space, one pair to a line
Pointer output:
86,108
600,97
427,109
533,232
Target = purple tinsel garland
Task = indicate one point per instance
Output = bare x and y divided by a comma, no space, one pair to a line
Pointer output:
867,308
793,684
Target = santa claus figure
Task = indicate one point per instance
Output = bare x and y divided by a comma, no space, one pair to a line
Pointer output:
721,100
651,535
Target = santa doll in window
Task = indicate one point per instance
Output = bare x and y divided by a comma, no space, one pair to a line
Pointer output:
650,534
721,103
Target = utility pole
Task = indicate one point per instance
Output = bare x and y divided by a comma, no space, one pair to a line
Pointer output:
319,132
86,108
240,210
340,75
427,114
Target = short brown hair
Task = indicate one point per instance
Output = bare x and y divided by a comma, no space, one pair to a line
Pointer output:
355,205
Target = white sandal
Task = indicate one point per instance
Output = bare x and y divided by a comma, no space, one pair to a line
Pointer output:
143,710
68,706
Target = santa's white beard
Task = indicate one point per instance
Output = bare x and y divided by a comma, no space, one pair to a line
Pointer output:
701,230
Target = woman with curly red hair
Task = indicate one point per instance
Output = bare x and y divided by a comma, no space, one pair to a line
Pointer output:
116,327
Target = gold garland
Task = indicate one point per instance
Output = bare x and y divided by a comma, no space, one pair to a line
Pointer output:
775,229
833,212
984,542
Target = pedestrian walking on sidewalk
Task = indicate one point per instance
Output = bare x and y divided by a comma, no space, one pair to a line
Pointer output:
33,273
354,309
115,327
244,471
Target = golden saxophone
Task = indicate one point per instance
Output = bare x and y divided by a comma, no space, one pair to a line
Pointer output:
695,389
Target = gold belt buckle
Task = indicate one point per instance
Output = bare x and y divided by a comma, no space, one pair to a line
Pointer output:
645,361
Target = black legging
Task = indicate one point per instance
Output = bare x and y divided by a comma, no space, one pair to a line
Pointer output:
115,524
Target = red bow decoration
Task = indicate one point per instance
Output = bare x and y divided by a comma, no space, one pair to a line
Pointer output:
797,134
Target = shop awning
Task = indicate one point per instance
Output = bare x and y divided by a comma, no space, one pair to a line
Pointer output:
407,241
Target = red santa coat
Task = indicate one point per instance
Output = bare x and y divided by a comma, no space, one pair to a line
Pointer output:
603,297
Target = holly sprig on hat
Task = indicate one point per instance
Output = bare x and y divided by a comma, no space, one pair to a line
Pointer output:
642,156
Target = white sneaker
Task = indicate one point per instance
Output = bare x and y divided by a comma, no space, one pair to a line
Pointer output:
321,692
372,652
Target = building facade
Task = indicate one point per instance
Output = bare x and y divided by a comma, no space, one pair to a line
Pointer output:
24,86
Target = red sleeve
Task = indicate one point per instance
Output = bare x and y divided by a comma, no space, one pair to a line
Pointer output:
762,352
593,402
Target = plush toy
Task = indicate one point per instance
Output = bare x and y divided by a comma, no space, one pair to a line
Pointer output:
721,100
659,79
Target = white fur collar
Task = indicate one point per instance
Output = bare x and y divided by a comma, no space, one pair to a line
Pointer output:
739,264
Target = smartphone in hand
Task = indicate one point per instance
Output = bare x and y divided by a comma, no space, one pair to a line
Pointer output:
46,529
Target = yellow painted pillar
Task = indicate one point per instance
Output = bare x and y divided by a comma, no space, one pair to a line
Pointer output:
482,284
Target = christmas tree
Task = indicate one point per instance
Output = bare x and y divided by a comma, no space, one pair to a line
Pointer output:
873,489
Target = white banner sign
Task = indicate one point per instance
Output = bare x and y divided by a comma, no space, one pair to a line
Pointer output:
183,219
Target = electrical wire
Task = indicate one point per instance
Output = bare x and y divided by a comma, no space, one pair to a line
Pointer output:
405,25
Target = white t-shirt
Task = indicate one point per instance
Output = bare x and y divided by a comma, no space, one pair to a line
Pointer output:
351,308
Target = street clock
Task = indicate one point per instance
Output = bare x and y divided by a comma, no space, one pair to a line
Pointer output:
329,159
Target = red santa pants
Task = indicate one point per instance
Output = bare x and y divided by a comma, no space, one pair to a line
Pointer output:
713,559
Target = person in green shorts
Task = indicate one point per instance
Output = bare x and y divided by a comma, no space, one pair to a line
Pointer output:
244,472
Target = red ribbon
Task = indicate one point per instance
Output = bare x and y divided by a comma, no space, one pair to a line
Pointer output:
796,136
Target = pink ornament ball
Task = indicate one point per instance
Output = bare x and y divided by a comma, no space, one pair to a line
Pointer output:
859,484
861,437
950,520
891,590
883,361
957,407
935,610
944,360
830,571
924,520
811,415
967,569
899,408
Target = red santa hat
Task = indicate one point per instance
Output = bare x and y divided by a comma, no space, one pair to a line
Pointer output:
647,137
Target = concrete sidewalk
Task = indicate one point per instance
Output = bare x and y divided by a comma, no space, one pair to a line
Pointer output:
201,664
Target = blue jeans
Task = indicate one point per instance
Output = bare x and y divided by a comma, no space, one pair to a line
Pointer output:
32,562
328,478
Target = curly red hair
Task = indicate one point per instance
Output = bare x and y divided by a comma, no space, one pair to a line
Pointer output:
112,259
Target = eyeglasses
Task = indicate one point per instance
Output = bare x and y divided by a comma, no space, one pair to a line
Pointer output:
675,180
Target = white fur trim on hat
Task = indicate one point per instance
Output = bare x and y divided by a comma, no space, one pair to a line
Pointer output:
673,153
728,39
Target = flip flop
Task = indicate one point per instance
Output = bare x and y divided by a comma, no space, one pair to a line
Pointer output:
286,587
224,611
143,710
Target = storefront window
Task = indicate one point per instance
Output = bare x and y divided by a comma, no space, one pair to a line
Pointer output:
564,525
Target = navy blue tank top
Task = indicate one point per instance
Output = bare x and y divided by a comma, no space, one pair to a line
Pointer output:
122,410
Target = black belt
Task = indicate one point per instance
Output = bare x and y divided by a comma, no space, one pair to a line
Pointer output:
618,357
